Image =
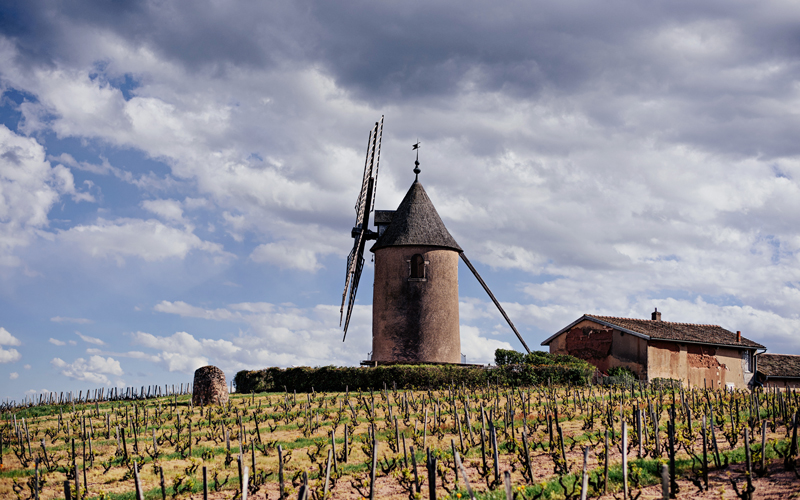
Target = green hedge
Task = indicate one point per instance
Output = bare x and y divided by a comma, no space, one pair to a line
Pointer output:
536,358
333,379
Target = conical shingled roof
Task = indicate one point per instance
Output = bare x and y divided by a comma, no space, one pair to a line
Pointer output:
416,222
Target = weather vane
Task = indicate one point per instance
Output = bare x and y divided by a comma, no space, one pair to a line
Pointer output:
416,162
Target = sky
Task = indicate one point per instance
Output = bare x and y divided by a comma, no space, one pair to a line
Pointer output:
177,179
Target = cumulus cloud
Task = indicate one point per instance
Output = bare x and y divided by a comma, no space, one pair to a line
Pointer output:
90,340
7,339
150,240
277,335
299,254
8,355
169,210
96,370
479,349
187,310
56,342
13,375
182,352
29,187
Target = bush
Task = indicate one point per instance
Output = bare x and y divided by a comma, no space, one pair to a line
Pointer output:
504,357
622,372
545,358
507,357
334,379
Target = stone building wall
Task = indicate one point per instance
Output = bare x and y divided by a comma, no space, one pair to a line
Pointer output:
603,347
415,320
697,365
782,383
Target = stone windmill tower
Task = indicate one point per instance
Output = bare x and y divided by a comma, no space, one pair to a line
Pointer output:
415,295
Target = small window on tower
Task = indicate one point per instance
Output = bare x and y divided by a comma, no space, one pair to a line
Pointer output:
417,264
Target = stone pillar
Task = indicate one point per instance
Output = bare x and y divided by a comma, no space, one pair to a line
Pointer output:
210,386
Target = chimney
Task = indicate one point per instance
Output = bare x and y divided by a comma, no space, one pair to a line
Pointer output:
656,316
738,336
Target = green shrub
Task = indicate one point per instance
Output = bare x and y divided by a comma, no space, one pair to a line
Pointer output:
504,357
335,379
622,372
507,357
545,358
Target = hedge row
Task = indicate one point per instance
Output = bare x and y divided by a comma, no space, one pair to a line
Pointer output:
334,379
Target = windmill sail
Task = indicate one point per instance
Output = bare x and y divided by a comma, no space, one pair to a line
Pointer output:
361,232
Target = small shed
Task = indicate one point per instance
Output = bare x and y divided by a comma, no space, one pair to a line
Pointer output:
778,370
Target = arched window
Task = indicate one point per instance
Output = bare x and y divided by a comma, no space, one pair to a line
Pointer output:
417,267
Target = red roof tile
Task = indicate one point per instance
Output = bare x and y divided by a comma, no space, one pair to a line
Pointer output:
679,332
779,365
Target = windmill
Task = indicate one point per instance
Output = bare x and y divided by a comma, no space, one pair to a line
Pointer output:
415,292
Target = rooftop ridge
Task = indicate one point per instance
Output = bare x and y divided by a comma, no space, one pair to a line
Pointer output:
652,321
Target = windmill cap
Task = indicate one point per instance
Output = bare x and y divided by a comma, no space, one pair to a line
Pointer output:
416,223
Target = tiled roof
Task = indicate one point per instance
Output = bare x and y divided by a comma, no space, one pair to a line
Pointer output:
779,365
416,222
679,332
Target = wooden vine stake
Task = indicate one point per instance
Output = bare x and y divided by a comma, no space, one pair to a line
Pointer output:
527,456
507,483
605,467
748,459
280,473
374,466
585,475
137,482
705,454
494,453
417,487
75,469
245,483
763,466
431,475
331,454
624,459
205,483
36,479
163,486
464,475
673,482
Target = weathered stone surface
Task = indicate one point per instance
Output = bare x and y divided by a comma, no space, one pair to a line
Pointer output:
415,320
209,386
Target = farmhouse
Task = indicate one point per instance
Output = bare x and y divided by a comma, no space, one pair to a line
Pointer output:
698,355
778,370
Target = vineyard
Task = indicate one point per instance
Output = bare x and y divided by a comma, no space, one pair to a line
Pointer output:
618,441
